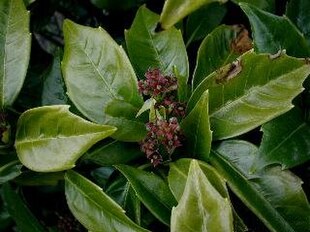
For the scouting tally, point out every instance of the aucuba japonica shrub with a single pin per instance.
(195, 118)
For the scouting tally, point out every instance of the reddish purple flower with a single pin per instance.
(156, 158)
(161, 134)
(157, 84)
(174, 108)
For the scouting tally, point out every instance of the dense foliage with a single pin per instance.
(145, 115)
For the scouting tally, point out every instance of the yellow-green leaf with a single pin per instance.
(201, 207)
(50, 138)
(175, 10)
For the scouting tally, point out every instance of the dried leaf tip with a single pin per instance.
(227, 73)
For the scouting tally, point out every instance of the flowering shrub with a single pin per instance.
(189, 125)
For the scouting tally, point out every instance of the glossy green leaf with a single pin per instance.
(201, 207)
(101, 175)
(153, 191)
(298, 12)
(150, 49)
(251, 91)
(216, 50)
(101, 81)
(112, 153)
(272, 33)
(15, 42)
(175, 10)
(53, 91)
(203, 21)
(196, 128)
(287, 144)
(10, 171)
(50, 138)
(275, 196)
(30, 178)
(93, 208)
(267, 5)
(178, 174)
(19, 211)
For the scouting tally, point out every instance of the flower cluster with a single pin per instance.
(164, 132)
(156, 84)
(173, 107)
(162, 135)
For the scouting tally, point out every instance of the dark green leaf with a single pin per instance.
(28, 2)
(15, 42)
(115, 152)
(101, 81)
(101, 175)
(272, 33)
(219, 48)
(19, 211)
(201, 207)
(53, 92)
(267, 5)
(298, 12)
(10, 171)
(203, 21)
(30, 178)
(149, 49)
(286, 141)
(5, 219)
(275, 196)
(196, 128)
(50, 138)
(153, 191)
(122, 192)
(251, 91)
(283, 189)
(93, 208)
(115, 4)
(175, 10)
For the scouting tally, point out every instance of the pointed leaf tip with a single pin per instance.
(201, 207)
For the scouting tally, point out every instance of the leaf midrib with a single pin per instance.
(110, 213)
(108, 87)
(5, 52)
(302, 125)
(128, 177)
(155, 196)
(245, 93)
(59, 137)
(158, 58)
